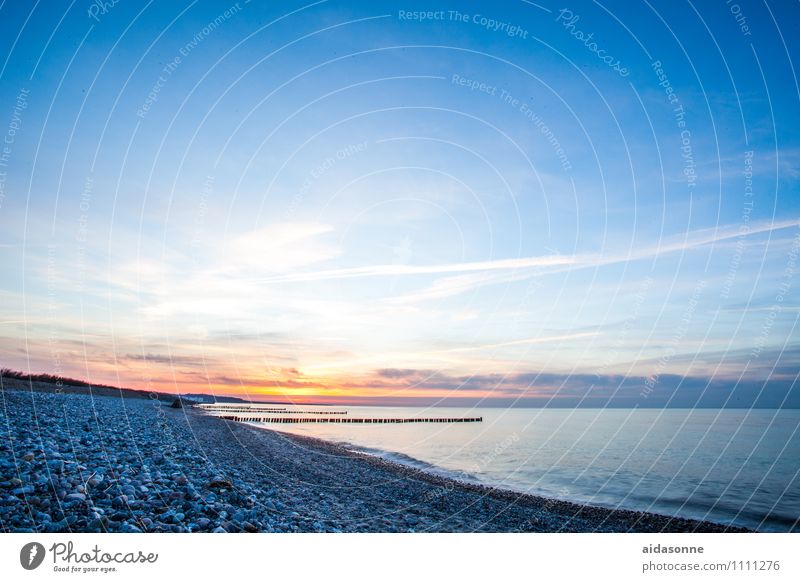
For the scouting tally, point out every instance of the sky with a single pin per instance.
(436, 203)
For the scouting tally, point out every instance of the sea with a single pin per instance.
(739, 467)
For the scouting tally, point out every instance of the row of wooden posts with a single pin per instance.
(271, 410)
(294, 420)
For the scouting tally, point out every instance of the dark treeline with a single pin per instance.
(64, 384)
(56, 383)
(49, 379)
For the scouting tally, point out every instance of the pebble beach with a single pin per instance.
(72, 462)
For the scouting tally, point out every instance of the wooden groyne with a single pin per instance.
(293, 420)
(248, 410)
(234, 408)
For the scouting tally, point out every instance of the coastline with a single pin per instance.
(600, 518)
(104, 463)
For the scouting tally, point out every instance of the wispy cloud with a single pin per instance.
(532, 265)
(166, 359)
(281, 247)
(447, 356)
(397, 270)
(561, 263)
(521, 342)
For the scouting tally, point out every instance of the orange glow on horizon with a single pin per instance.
(287, 385)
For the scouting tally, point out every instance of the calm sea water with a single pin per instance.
(728, 466)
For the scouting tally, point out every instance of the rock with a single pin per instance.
(75, 497)
(42, 517)
(176, 403)
(219, 530)
(219, 483)
(56, 466)
(20, 491)
(28, 457)
(57, 526)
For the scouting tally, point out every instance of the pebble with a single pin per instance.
(140, 466)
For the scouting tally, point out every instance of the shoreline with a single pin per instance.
(85, 463)
(518, 498)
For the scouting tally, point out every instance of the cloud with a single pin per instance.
(165, 359)
(450, 286)
(280, 248)
(395, 373)
(731, 364)
(589, 390)
(504, 384)
(399, 269)
(706, 236)
(693, 240)
(527, 341)
(479, 273)
(448, 356)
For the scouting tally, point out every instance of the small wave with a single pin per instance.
(412, 462)
(386, 455)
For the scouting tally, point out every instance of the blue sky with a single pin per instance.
(522, 203)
